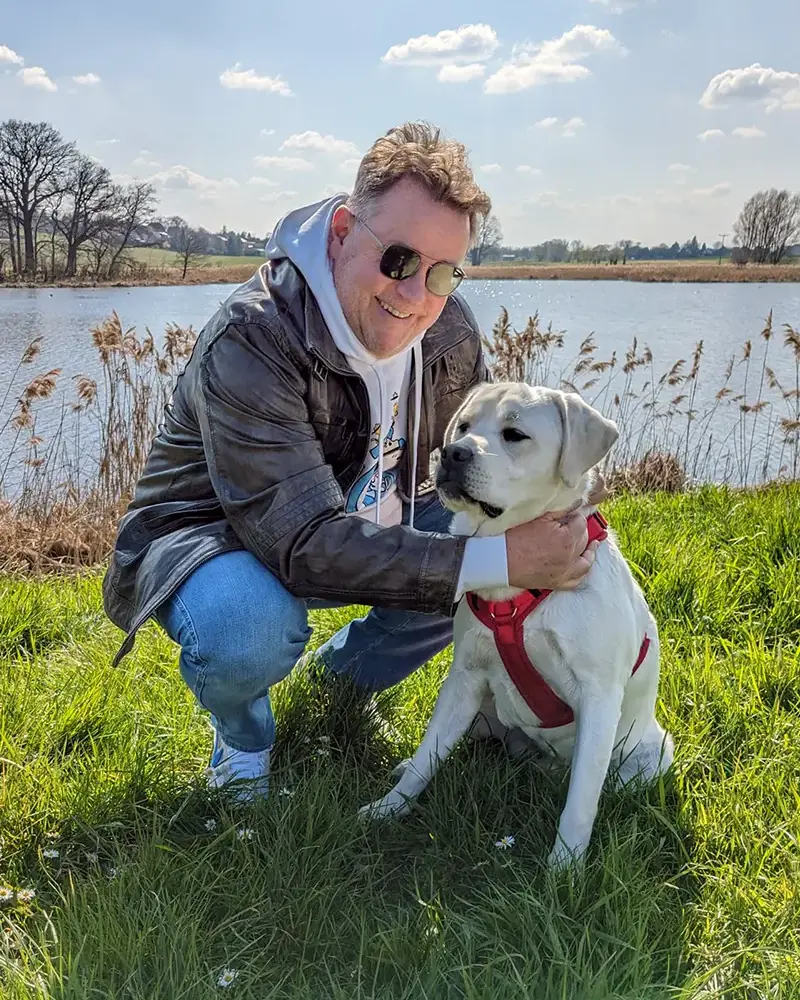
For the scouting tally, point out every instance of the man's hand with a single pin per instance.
(549, 553)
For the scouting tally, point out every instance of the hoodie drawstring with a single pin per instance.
(384, 424)
(417, 376)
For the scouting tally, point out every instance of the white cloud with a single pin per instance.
(568, 130)
(711, 133)
(180, 178)
(35, 76)
(754, 84)
(283, 162)
(247, 79)
(268, 131)
(616, 6)
(460, 74)
(262, 182)
(681, 172)
(87, 80)
(143, 163)
(106, 142)
(10, 56)
(274, 196)
(695, 196)
(716, 191)
(558, 60)
(320, 143)
(491, 168)
(748, 132)
(350, 165)
(571, 127)
(523, 168)
(470, 43)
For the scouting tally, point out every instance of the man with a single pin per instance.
(293, 466)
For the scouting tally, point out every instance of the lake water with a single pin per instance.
(669, 318)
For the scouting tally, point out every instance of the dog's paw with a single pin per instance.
(400, 769)
(566, 859)
(391, 806)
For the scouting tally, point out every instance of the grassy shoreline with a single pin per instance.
(703, 272)
(146, 887)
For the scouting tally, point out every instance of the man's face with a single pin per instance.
(404, 214)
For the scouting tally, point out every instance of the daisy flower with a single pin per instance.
(505, 842)
(50, 852)
(244, 833)
(289, 792)
(211, 825)
(226, 977)
(6, 894)
(26, 895)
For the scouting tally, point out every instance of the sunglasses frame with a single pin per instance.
(457, 272)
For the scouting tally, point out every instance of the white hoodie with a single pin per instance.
(303, 237)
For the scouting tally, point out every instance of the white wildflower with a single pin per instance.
(211, 825)
(91, 857)
(112, 872)
(287, 792)
(26, 895)
(244, 833)
(6, 894)
(505, 842)
(226, 977)
(50, 852)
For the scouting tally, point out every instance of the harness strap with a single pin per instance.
(506, 620)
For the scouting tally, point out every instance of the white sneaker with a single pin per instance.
(246, 773)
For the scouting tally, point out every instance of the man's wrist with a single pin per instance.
(485, 565)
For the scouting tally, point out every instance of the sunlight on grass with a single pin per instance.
(145, 889)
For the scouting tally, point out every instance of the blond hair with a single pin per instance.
(418, 150)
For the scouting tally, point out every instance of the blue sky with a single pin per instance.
(596, 120)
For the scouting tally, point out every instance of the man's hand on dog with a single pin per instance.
(551, 552)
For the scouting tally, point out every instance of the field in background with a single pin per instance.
(152, 266)
(146, 888)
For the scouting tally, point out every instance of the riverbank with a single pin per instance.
(644, 271)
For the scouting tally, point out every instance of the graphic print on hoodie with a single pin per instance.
(362, 492)
(303, 237)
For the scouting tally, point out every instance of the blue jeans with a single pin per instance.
(240, 631)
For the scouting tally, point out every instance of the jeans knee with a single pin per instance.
(240, 628)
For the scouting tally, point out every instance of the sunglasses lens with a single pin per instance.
(399, 262)
(443, 279)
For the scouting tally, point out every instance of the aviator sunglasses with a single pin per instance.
(400, 262)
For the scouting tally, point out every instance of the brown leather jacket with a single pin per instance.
(266, 431)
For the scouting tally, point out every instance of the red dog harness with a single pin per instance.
(506, 620)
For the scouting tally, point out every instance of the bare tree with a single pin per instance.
(189, 245)
(489, 235)
(34, 159)
(767, 224)
(134, 206)
(90, 201)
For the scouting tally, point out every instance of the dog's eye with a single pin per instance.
(463, 428)
(512, 434)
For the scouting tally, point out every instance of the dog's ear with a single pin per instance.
(587, 438)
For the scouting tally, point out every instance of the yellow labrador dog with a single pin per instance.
(512, 453)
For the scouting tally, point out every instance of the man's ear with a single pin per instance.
(341, 227)
(587, 436)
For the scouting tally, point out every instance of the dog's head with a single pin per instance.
(513, 451)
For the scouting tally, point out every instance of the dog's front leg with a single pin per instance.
(596, 723)
(458, 702)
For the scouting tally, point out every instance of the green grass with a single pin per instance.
(155, 257)
(691, 887)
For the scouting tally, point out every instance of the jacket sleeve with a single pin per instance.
(282, 499)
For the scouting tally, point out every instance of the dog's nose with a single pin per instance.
(456, 454)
